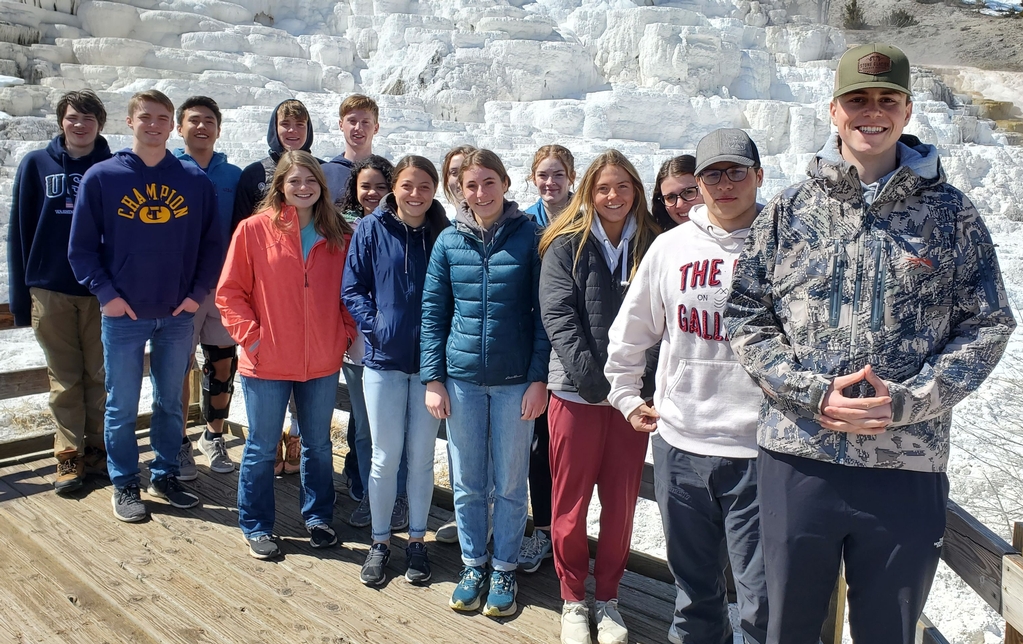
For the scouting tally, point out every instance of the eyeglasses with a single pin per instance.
(689, 194)
(735, 174)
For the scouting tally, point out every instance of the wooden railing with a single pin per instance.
(990, 566)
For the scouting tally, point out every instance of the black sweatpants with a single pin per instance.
(887, 525)
(540, 472)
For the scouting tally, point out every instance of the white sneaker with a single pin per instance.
(610, 625)
(575, 623)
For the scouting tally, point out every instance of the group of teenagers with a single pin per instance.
(792, 367)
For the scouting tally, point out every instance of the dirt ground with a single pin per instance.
(947, 33)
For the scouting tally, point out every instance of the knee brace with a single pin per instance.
(210, 385)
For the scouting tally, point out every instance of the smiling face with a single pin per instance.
(551, 179)
(199, 129)
(359, 127)
(452, 177)
(291, 132)
(413, 192)
(151, 124)
(870, 122)
(731, 205)
(370, 188)
(613, 196)
(679, 185)
(80, 131)
(301, 189)
(484, 191)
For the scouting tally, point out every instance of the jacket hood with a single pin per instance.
(727, 240)
(131, 160)
(56, 150)
(465, 220)
(343, 161)
(436, 218)
(276, 148)
(918, 166)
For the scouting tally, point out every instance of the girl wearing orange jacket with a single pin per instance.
(279, 297)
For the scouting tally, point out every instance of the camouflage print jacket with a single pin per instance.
(908, 283)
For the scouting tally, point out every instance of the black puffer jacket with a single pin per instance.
(577, 308)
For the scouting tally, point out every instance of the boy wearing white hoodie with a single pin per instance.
(705, 407)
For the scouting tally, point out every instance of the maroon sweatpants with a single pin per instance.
(592, 445)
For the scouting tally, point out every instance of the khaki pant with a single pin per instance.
(67, 327)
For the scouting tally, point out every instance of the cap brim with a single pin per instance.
(734, 158)
(868, 85)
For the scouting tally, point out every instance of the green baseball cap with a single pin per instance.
(873, 65)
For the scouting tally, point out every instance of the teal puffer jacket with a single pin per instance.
(481, 309)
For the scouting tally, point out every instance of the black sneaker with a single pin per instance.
(418, 563)
(373, 570)
(263, 547)
(128, 505)
(322, 536)
(173, 492)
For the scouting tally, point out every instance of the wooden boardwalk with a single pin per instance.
(73, 573)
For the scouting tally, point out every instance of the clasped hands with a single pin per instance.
(867, 416)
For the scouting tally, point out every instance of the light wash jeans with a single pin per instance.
(486, 428)
(265, 404)
(124, 346)
(360, 441)
(400, 424)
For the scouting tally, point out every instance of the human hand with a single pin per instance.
(644, 418)
(437, 401)
(188, 305)
(867, 416)
(116, 308)
(534, 401)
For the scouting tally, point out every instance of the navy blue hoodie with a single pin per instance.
(383, 283)
(45, 190)
(256, 176)
(149, 235)
(337, 172)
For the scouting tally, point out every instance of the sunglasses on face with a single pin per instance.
(735, 174)
(689, 194)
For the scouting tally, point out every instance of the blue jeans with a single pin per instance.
(401, 425)
(486, 428)
(265, 404)
(360, 443)
(124, 346)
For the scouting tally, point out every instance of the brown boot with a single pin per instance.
(70, 471)
(279, 459)
(95, 461)
(292, 454)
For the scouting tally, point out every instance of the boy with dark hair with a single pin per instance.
(867, 303)
(45, 293)
(145, 241)
(199, 123)
(705, 448)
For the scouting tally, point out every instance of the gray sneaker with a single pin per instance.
(447, 533)
(216, 452)
(128, 505)
(360, 516)
(534, 549)
(399, 515)
(169, 489)
(186, 463)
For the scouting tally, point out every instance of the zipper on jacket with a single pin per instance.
(483, 327)
(880, 275)
(857, 288)
(985, 257)
(837, 279)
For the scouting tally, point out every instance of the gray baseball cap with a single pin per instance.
(726, 144)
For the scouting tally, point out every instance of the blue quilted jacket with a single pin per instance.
(481, 310)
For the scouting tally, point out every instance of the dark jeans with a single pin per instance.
(711, 516)
(887, 525)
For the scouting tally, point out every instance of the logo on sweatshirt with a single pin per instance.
(61, 185)
(158, 205)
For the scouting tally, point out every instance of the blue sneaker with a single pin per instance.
(503, 589)
(471, 584)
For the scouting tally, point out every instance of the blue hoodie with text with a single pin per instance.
(45, 190)
(147, 234)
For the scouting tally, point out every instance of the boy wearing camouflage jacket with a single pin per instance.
(866, 304)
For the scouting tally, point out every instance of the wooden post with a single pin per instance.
(1012, 636)
(831, 633)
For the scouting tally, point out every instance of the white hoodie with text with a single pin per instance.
(707, 402)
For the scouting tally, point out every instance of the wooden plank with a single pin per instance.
(25, 382)
(831, 632)
(41, 445)
(1012, 592)
(975, 553)
(6, 317)
(927, 633)
(1012, 635)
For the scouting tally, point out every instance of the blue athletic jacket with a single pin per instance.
(481, 309)
(383, 284)
(225, 178)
